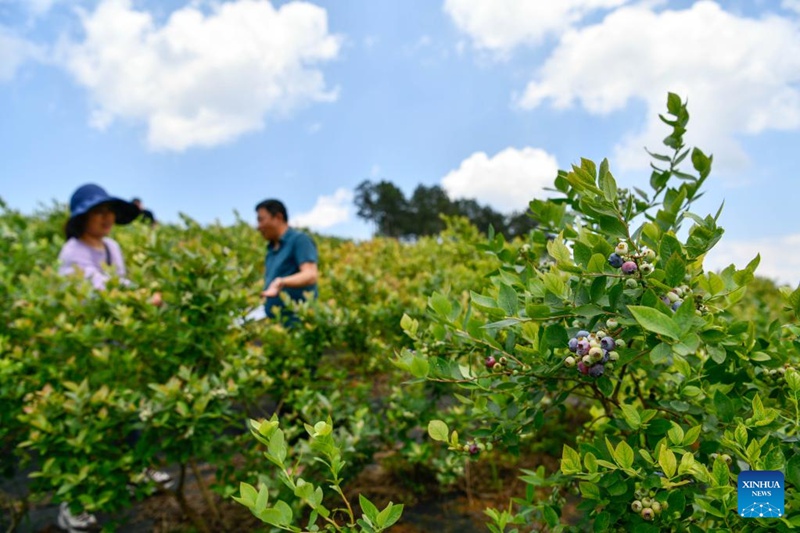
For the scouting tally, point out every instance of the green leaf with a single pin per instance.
(675, 434)
(624, 454)
(655, 321)
(369, 509)
(691, 435)
(660, 354)
(793, 472)
(440, 304)
(559, 251)
(667, 461)
(248, 495)
(589, 490)
(390, 515)
(631, 415)
(438, 430)
(570, 461)
(277, 446)
(508, 300)
(675, 270)
(724, 407)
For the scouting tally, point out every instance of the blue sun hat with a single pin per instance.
(90, 195)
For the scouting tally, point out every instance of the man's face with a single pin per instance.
(268, 224)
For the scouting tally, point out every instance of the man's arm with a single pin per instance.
(306, 276)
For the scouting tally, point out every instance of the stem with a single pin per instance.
(204, 491)
(187, 509)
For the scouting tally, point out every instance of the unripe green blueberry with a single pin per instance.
(655, 506)
(678, 291)
(600, 334)
(622, 248)
(726, 458)
(481, 446)
(646, 502)
(646, 269)
(609, 366)
(569, 361)
(612, 323)
(648, 255)
(489, 446)
(648, 514)
(465, 447)
(636, 506)
(613, 356)
(713, 456)
(665, 506)
(503, 360)
(587, 359)
(497, 367)
(631, 283)
(673, 297)
(620, 343)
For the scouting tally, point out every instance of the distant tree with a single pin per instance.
(383, 204)
(427, 204)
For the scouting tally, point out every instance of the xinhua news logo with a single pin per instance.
(760, 494)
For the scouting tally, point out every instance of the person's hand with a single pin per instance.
(273, 289)
(156, 299)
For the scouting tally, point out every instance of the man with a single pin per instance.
(291, 260)
(145, 214)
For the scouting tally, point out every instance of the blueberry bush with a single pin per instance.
(606, 309)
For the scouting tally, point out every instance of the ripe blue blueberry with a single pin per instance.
(596, 371)
(583, 347)
(615, 260)
(629, 267)
(676, 305)
(573, 345)
(607, 343)
(582, 333)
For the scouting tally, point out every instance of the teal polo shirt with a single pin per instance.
(295, 249)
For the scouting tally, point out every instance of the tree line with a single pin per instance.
(394, 215)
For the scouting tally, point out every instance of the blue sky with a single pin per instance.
(207, 108)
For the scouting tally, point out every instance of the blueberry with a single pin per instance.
(490, 362)
(629, 267)
(605, 357)
(612, 323)
(473, 449)
(648, 514)
(636, 506)
(607, 343)
(569, 361)
(582, 368)
(676, 305)
(631, 283)
(622, 248)
(573, 345)
(583, 347)
(582, 333)
(596, 371)
(615, 260)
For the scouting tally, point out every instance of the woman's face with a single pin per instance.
(99, 221)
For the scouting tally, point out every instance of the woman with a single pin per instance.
(90, 250)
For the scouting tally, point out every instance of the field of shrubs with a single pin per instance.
(593, 375)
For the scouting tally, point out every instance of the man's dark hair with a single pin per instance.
(273, 207)
(75, 227)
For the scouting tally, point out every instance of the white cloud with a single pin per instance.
(14, 52)
(500, 25)
(202, 79)
(507, 182)
(740, 75)
(791, 5)
(327, 212)
(779, 258)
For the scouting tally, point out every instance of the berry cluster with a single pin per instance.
(595, 351)
(674, 298)
(630, 262)
(647, 506)
(776, 374)
(495, 364)
(475, 447)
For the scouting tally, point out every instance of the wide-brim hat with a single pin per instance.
(91, 195)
